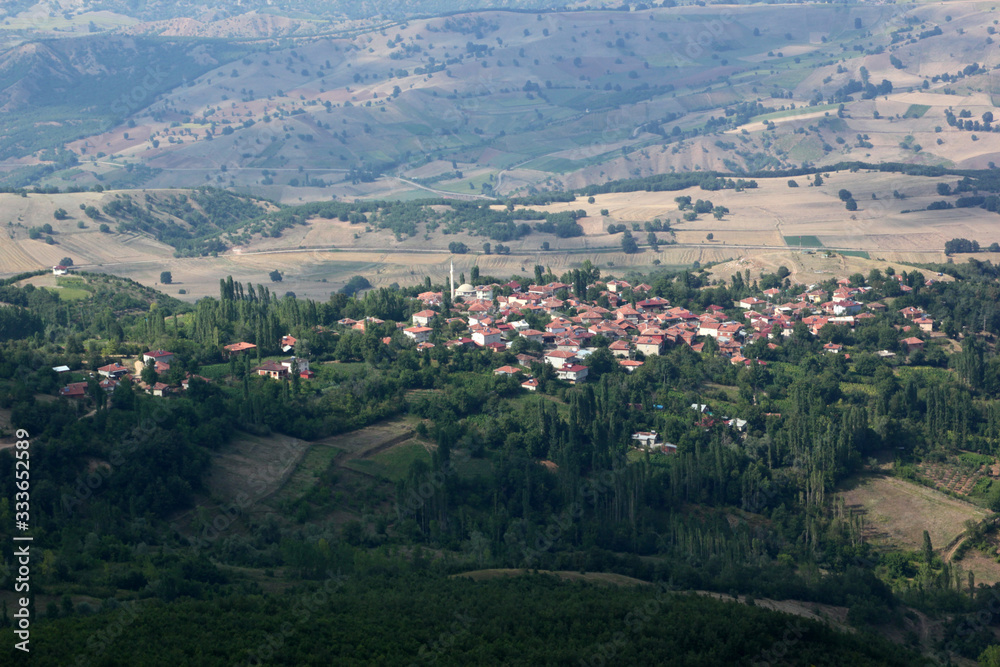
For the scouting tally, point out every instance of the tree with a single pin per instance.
(652, 241)
(943, 189)
(818, 180)
(166, 278)
(104, 228)
(358, 283)
(851, 205)
(710, 236)
(60, 214)
(66, 261)
(629, 246)
(487, 248)
(149, 374)
(275, 276)
(990, 657)
(845, 195)
(928, 549)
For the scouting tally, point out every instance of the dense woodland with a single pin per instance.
(749, 512)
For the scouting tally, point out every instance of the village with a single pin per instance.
(626, 319)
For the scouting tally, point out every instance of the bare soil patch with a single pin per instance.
(897, 512)
(254, 465)
(603, 578)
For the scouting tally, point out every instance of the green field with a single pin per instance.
(556, 165)
(863, 254)
(71, 289)
(798, 111)
(803, 242)
(315, 462)
(916, 110)
(393, 464)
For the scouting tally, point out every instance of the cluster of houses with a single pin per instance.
(494, 316)
(115, 373)
(111, 375)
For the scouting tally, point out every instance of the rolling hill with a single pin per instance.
(504, 102)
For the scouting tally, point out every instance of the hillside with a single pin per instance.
(507, 102)
(201, 235)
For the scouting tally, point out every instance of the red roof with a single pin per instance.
(74, 390)
(272, 366)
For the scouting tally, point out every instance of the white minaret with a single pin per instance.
(453, 281)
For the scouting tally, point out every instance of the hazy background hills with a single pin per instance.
(488, 102)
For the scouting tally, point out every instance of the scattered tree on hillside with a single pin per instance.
(354, 285)
(275, 276)
(629, 246)
(166, 278)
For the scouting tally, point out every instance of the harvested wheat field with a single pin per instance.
(896, 512)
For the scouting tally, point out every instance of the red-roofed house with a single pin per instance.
(418, 334)
(649, 345)
(558, 358)
(619, 348)
(74, 390)
(272, 369)
(115, 370)
(239, 348)
(912, 344)
(572, 373)
(486, 336)
(423, 318)
(158, 355)
(533, 335)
